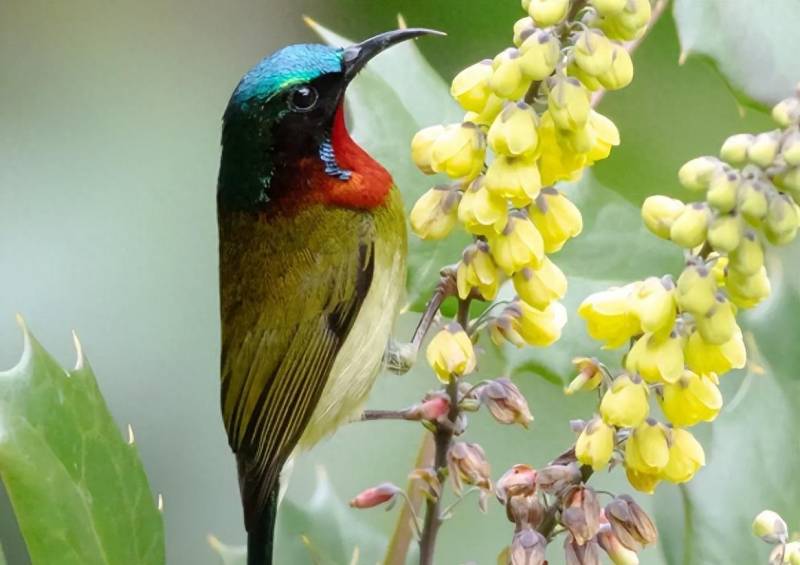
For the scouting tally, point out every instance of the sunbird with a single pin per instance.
(312, 246)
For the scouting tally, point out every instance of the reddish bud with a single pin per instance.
(434, 407)
(519, 480)
(375, 496)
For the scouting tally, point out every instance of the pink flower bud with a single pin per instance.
(375, 496)
(519, 480)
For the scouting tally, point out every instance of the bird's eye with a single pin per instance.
(303, 99)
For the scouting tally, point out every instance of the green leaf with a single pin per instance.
(754, 45)
(394, 97)
(78, 489)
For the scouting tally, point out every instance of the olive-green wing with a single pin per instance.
(291, 289)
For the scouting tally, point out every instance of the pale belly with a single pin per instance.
(359, 360)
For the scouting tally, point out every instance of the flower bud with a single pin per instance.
(433, 408)
(770, 527)
(375, 496)
(538, 327)
(658, 357)
(523, 28)
(620, 73)
(764, 148)
(591, 82)
(555, 479)
(577, 554)
(605, 135)
(608, 7)
(525, 511)
(748, 257)
(422, 145)
(647, 449)
(471, 86)
(519, 480)
(660, 212)
(556, 218)
(450, 353)
(618, 553)
(540, 287)
(689, 229)
(505, 401)
(595, 444)
(507, 80)
(459, 151)
(686, 456)
(513, 132)
(790, 149)
(482, 212)
(548, 12)
(485, 117)
(752, 201)
(539, 54)
(610, 316)
(723, 190)
(705, 358)
(745, 291)
(555, 164)
(581, 514)
(696, 174)
(787, 112)
(696, 289)
(654, 304)
(590, 375)
(782, 220)
(568, 103)
(468, 465)
(477, 271)
(519, 245)
(435, 213)
(528, 546)
(718, 326)
(593, 51)
(693, 399)
(790, 182)
(625, 403)
(725, 233)
(734, 149)
(643, 482)
(629, 23)
(506, 328)
(514, 178)
(630, 523)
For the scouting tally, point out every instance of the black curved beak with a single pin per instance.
(356, 56)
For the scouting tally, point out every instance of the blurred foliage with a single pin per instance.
(79, 490)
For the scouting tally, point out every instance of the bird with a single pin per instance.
(312, 265)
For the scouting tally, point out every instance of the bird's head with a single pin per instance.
(285, 106)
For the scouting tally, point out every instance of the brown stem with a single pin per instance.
(369, 415)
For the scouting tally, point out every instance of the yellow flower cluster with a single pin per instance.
(528, 124)
(683, 335)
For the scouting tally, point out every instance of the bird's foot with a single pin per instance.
(399, 357)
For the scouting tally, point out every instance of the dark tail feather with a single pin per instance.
(260, 537)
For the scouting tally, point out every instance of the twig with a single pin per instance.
(445, 289)
(369, 415)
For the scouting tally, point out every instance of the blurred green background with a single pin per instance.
(109, 142)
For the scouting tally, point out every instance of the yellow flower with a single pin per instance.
(783, 218)
(686, 456)
(471, 86)
(647, 449)
(790, 149)
(605, 135)
(459, 151)
(514, 178)
(787, 111)
(556, 218)
(507, 80)
(519, 245)
(523, 28)
(593, 51)
(589, 81)
(689, 229)
(450, 353)
(568, 103)
(752, 201)
(548, 12)
(513, 132)
(745, 291)
(643, 482)
(555, 164)
(422, 146)
(660, 212)
(696, 289)
(486, 117)
(595, 445)
(435, 213)
(608, 7)
(734, 148)
(620, 74)
(482, 212)
(770, 527)
(657, 357)
(705, 358)
(725, 233)
(764, 148)
(539, 287)
(610, 317)
(692, 399)
(723, 190)
(625, 402)
(748, 258)
(477, 270)
(630, 22)
(696, 174)
(719, 325)
(654, 304)
(589, 375)
(539, 54)
(521, 323)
